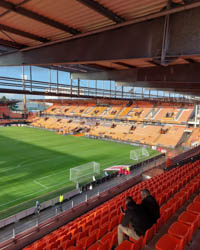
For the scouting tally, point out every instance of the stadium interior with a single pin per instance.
(123, 73)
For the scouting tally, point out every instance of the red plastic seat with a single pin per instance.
(195, 209)
(167, 242)
(94, 246)
(113, 223)
(68, 243)
(138, 243)
(181, 196)
(125, 245)
(111, 237)
(191, 220)
(41, 247)
(104, 246)
(159, 223)
(94, 226)
(87, 241)
(74, 248)
(197, 199)
(149, 235)
(104, 219)
(103, 230)
(64, 237)
(52, 245)
(181, 231)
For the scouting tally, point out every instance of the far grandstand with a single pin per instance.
(152, 123)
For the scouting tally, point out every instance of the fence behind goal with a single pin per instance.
(84, 172)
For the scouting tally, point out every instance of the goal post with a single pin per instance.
(139, 153)
(85, 172)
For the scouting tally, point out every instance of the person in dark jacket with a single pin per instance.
(150, 205)
(135, 221)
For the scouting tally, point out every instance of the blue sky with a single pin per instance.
(42, 74)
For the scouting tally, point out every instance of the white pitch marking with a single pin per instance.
(56, 184)
(51, 175)
(21, 198)
(18, 166)
(37, 182)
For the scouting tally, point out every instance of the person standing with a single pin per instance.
(61, 198)
(150, 205)
(37, 207)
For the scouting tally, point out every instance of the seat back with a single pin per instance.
(148, 235)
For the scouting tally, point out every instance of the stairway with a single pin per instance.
(179, 114)
(155, 113)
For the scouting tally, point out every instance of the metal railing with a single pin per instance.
(48, 88)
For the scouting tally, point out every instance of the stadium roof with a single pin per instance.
(130, 41)
(27, 23)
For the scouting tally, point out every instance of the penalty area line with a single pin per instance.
(38, 183)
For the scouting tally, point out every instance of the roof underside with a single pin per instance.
(29, 23)
(138, 43)
(52, 18)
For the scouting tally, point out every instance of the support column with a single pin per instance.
(78, 87)
(196, 112)
(31, 77)
(49, 80)
(57, 80)
(96, 87)
(24, 88)
(70, 84)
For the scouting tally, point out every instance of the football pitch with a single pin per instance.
(35, 163)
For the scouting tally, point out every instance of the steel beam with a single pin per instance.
(41, 93)
(11, 44)
(183, 73)
(162, 85)
(141, 40)
(23, 33)
(94, 5)
(42, 19)
(99, 67)
(127, 65)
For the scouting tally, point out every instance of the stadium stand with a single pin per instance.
(97, 229)
(137, 111)
(5, 112)
(166, 136)
(7, 116)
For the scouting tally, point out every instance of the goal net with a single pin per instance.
(84, 172)
(139, 154)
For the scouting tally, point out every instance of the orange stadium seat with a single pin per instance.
(139, 111)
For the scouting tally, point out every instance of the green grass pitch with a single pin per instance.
(35, 163)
